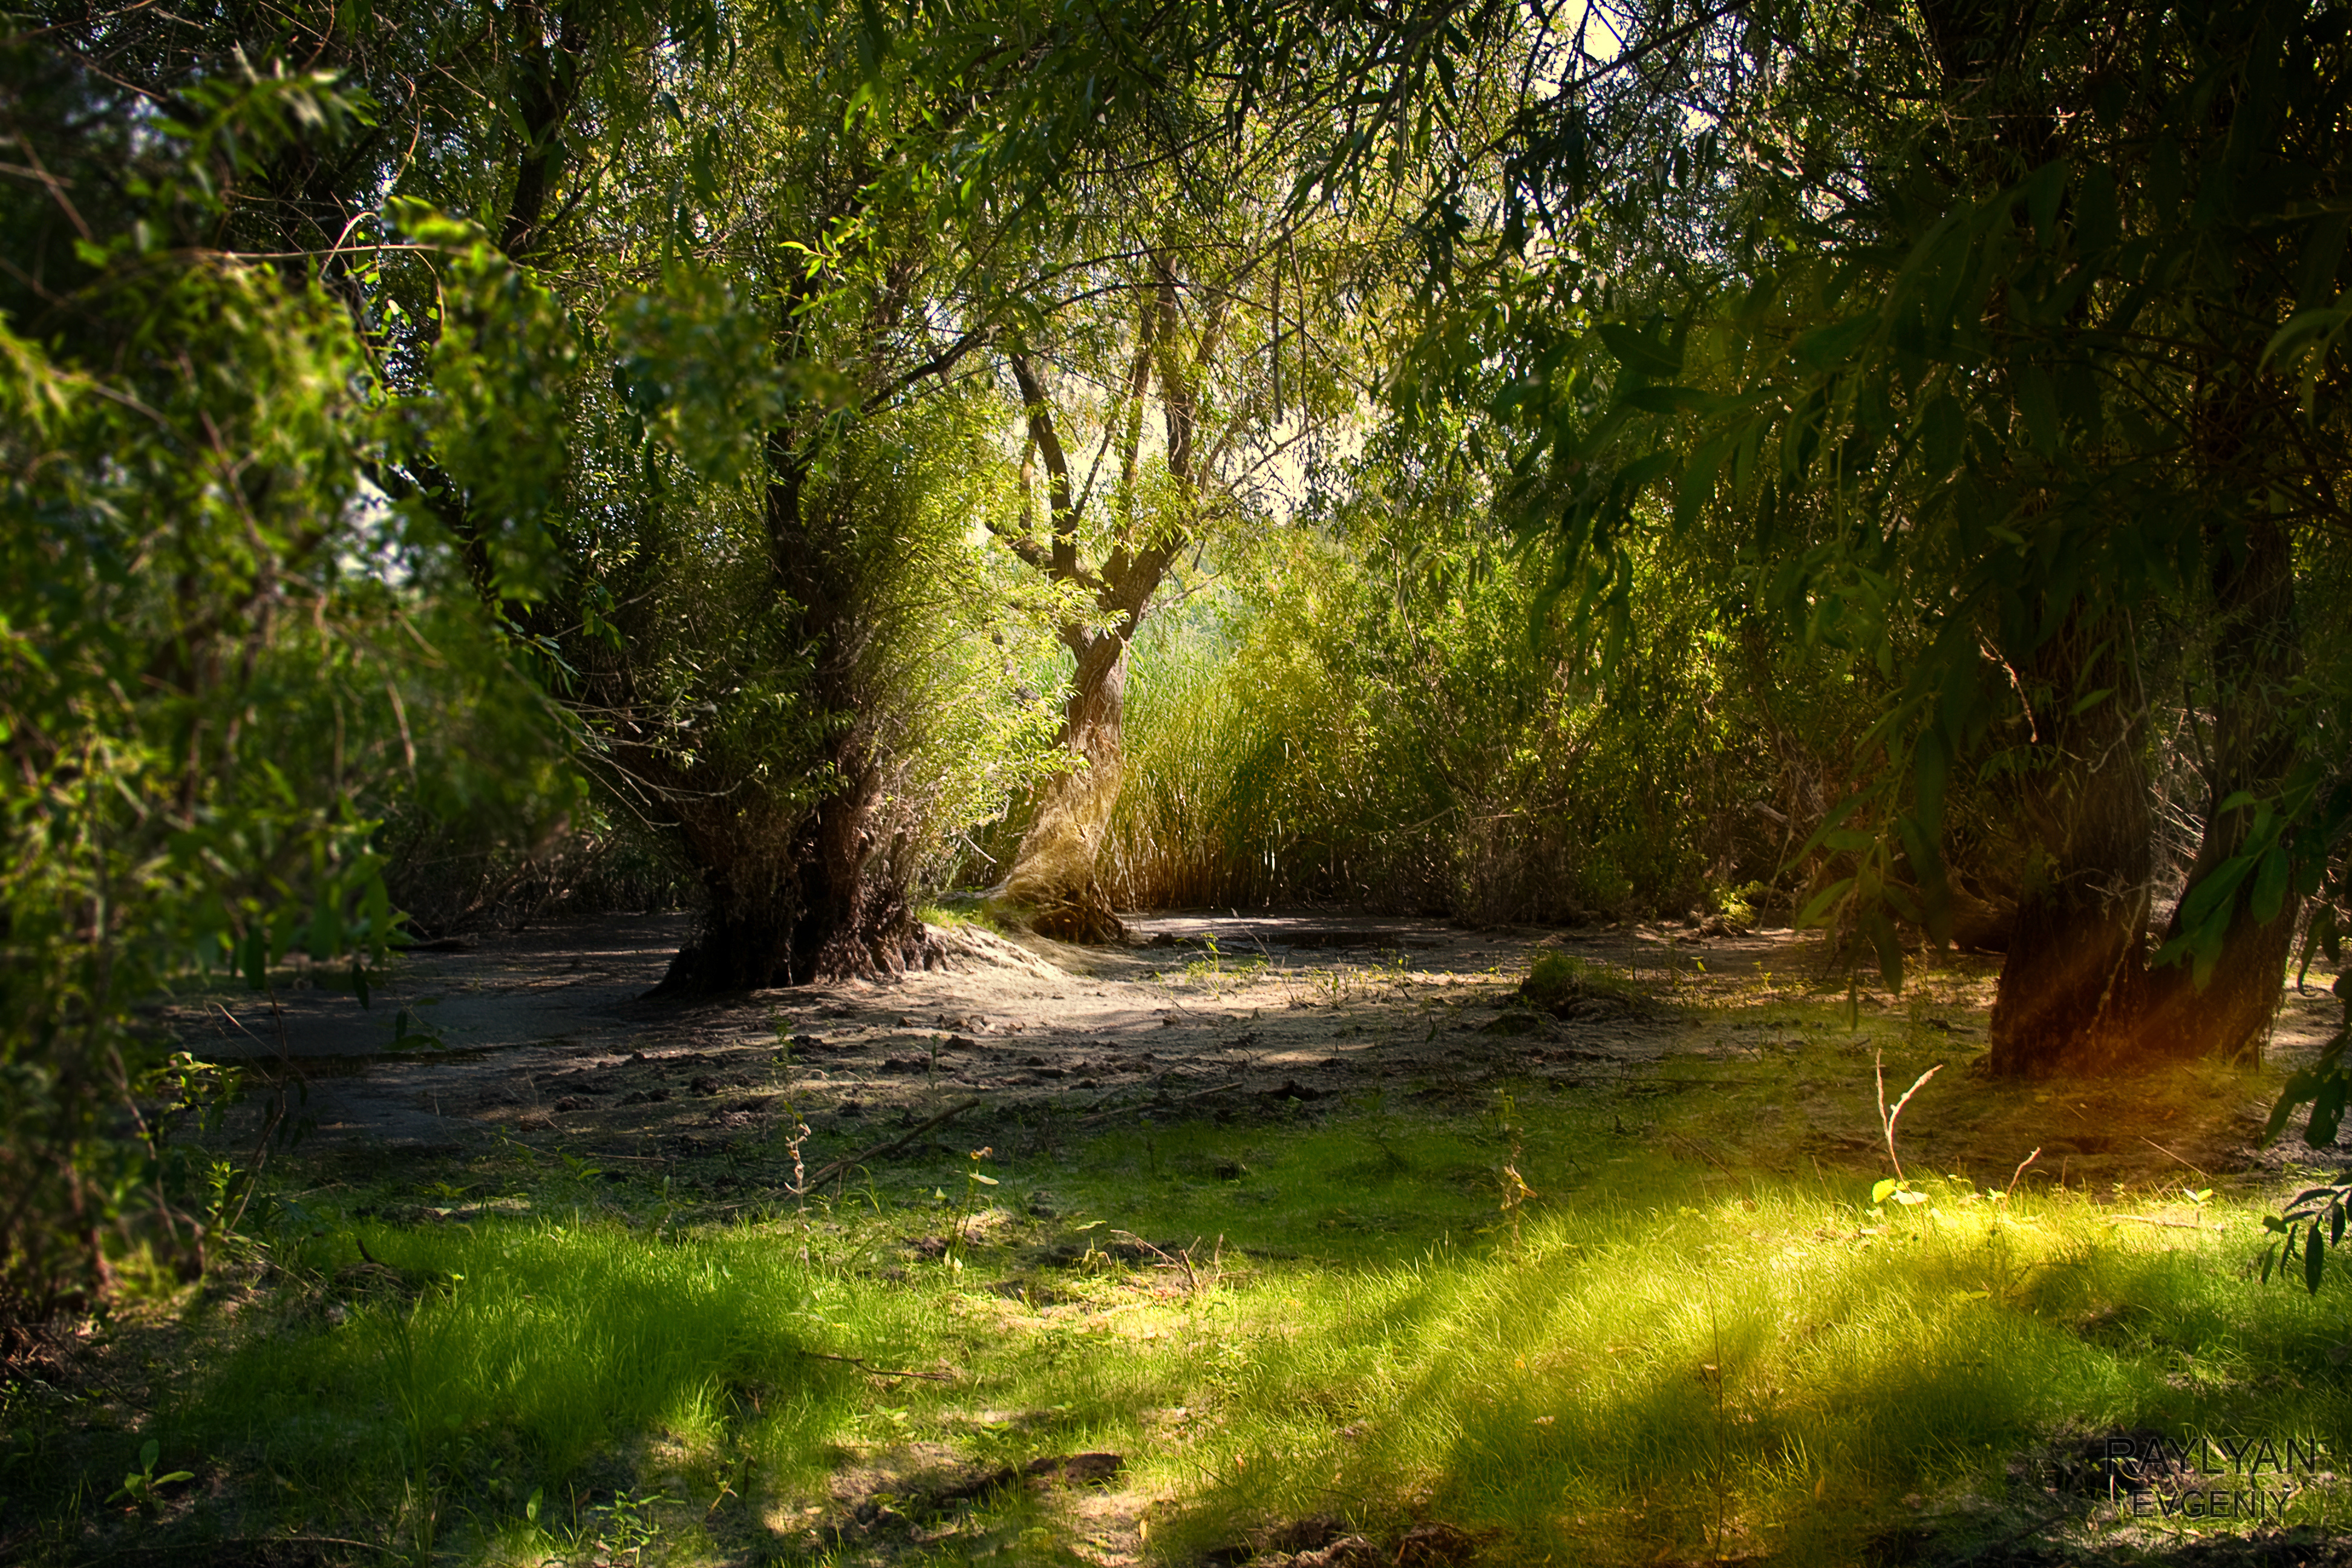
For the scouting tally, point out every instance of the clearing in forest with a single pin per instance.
(1286, 1238)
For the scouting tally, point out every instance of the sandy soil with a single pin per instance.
(1209, 1014)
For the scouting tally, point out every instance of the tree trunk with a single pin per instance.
(800, 890)
(797, 899)
(2071, 977)
(2255, 655)
(1052, 881)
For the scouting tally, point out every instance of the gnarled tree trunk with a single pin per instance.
(799, 890)
(2070, 980)
(2255, 654)
(796, 896)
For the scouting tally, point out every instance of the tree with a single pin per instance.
(1231, 322)
(205, 631)
(889, 267)
(697, 332)
(1983, 343)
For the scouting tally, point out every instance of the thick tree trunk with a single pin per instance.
(797, 900)
(798, 890)
(2070, 980)
(2255, 655)
(1052, 884)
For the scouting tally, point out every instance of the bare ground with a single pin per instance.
(1217, 1014)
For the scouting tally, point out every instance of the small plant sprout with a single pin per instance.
(794, 1142)
(629, 1526)
(1896, 1186)
(974, 1178)
(138, 1485)
(1515, 1189)
(1516, 1192)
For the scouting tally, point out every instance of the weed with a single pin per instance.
(1895, 1186)
(1559, 980)
(140, 1486)
(1515, 1188)
(974, 1179)
(627, 1525)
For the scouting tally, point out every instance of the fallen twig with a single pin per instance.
(891, 1147)
(1701, 1151)
(2171, 1224)
(1162, 1102)
(861, 1364)
(2177, 1158)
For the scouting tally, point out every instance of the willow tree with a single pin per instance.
(207, 627)
(743, 257)
(1978, 341)
(883, 252)
(1182, 378)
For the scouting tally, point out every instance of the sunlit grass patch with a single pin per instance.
(1675, 1335)
(1775, 1374)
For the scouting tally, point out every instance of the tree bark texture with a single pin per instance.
(2070, 980)
(2255, 654)
(796, 896)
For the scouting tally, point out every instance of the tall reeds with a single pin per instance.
(1313, 734)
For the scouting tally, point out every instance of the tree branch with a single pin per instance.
(1063, 521)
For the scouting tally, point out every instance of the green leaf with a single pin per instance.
(2299, 1086)
(2327, 1111)
(1835, 344)
(1942, 427)
(2314, 1262)
(2085, 704)
(2037, 400)
(1820, 902)
(1889, 944)
(2322, 256)
(1637, 353)
(1664, 399)
(1696, 483)
(2269, 885)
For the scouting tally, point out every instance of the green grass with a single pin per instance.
(1655, 1356)
(1559, 979)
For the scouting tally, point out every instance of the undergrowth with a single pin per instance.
(1639, 1354)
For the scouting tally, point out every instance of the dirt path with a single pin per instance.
(1211, 1014)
